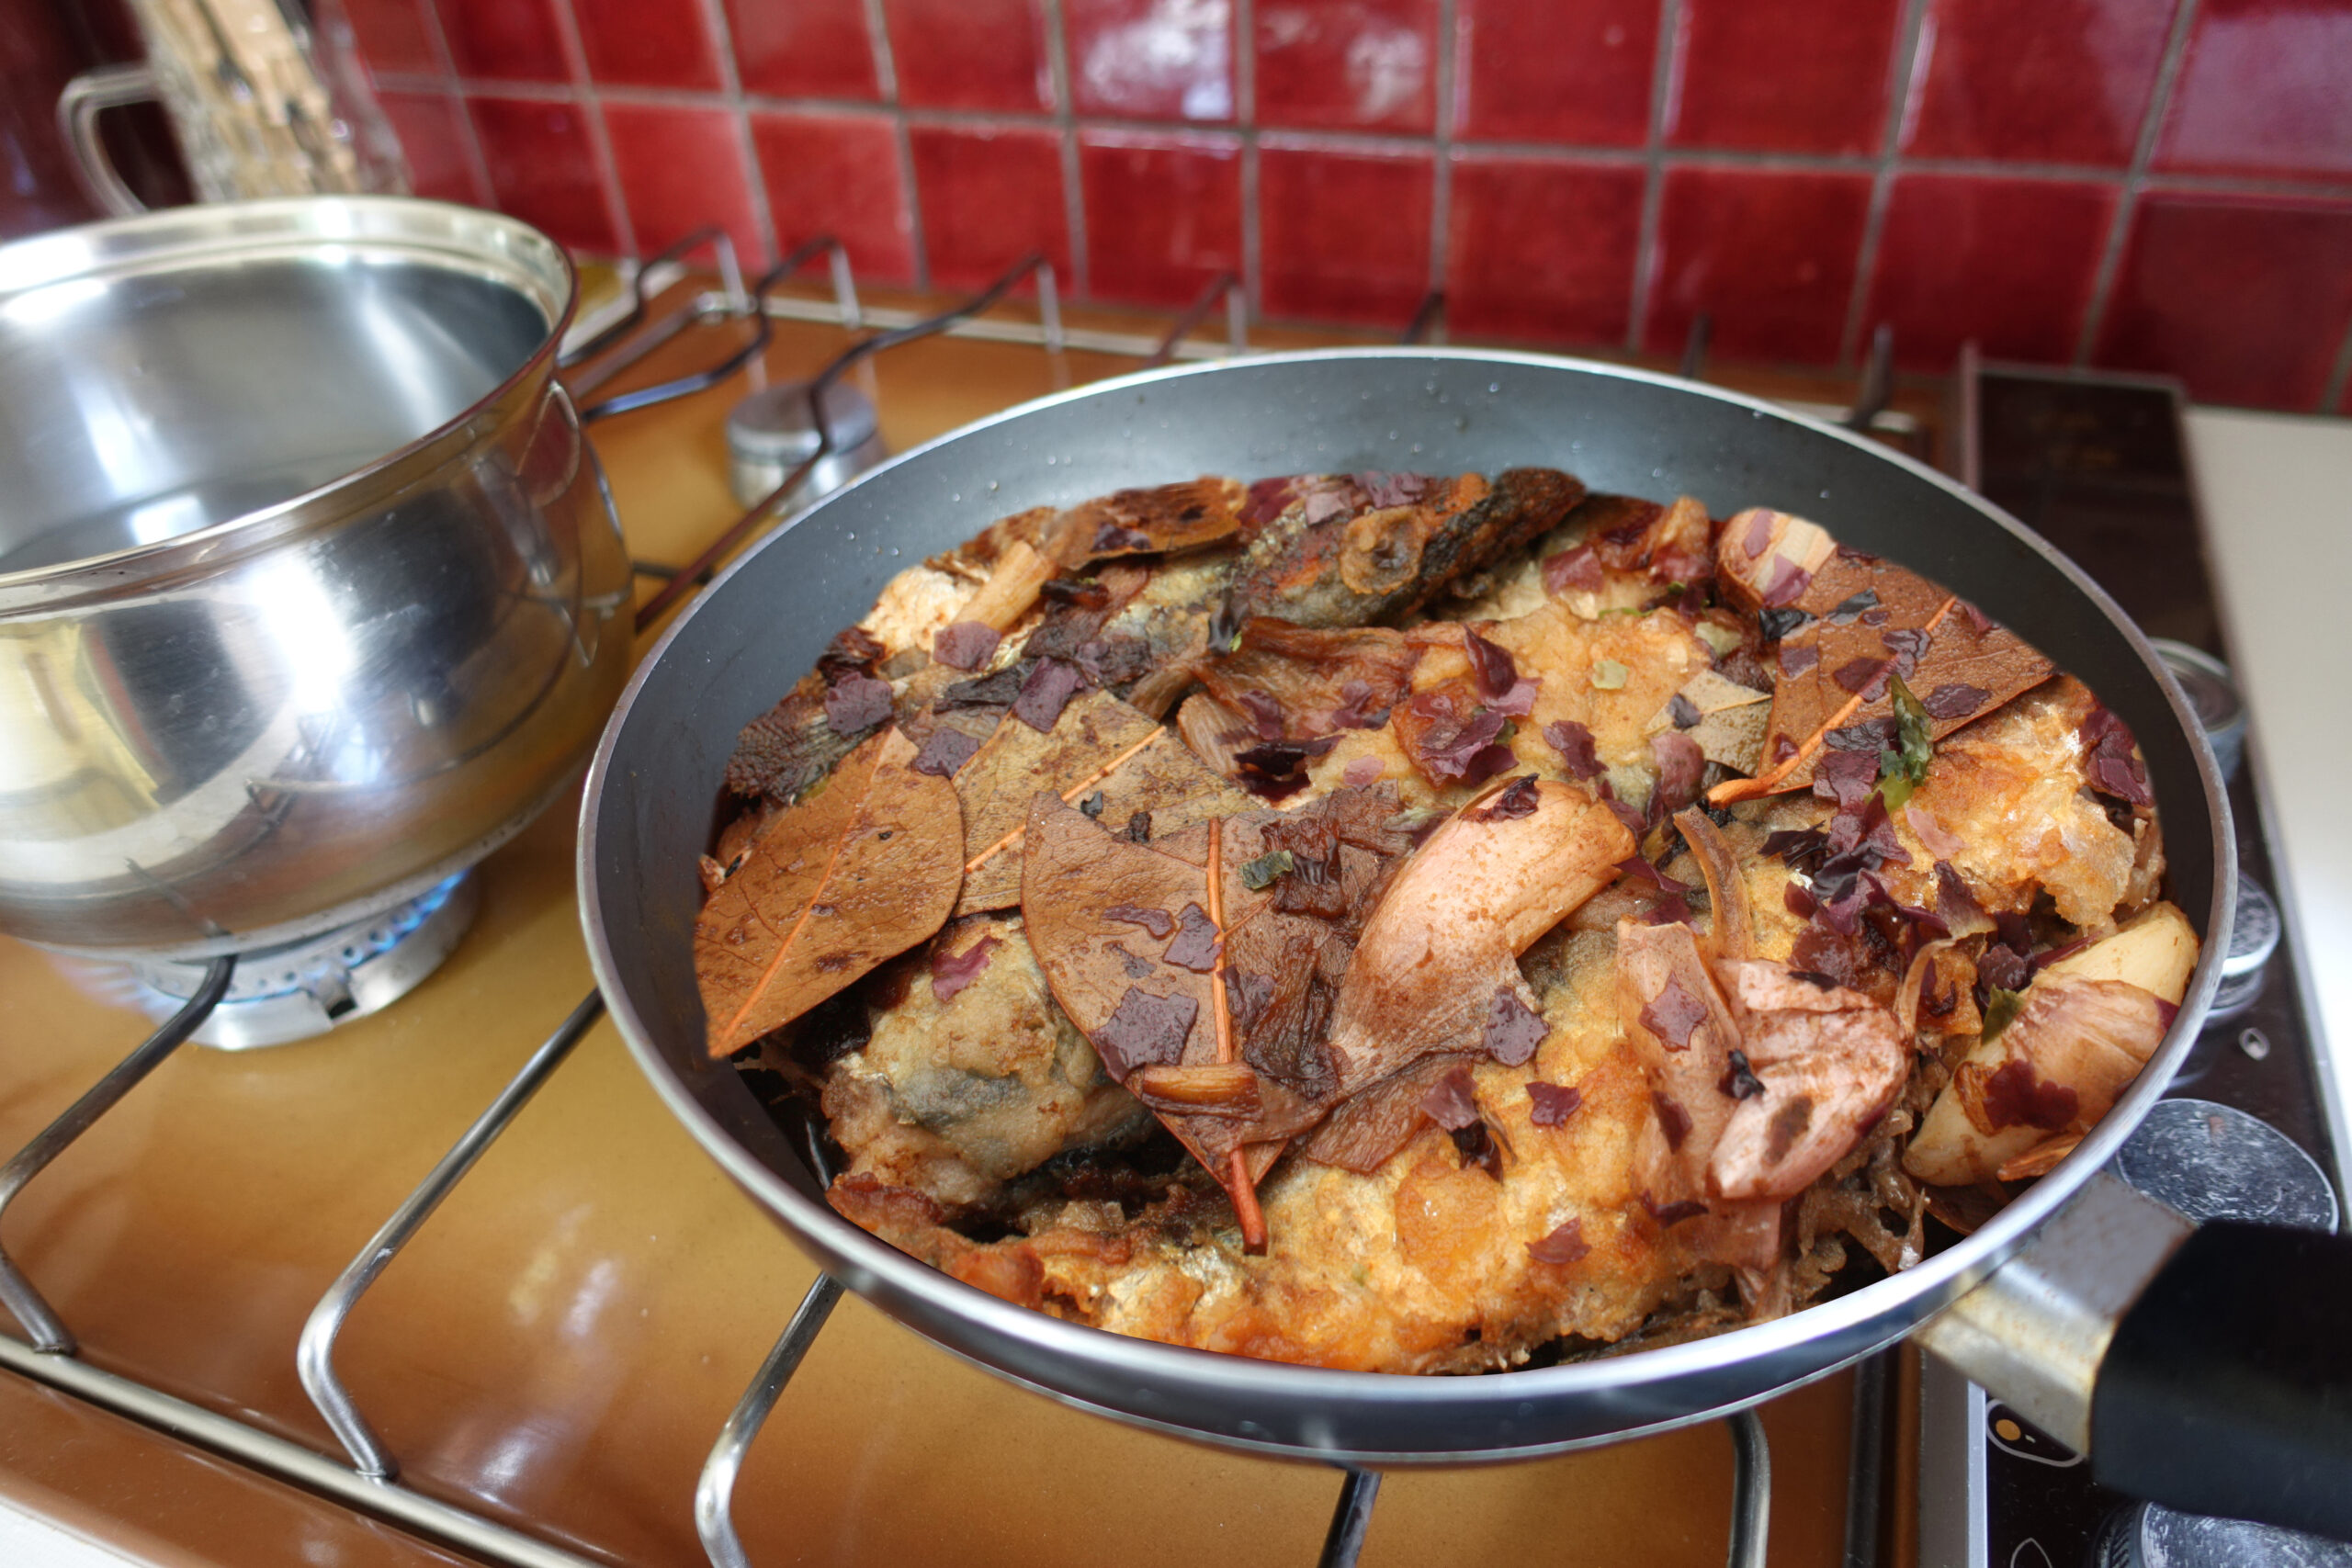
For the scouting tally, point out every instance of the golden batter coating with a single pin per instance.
(1649, 1083)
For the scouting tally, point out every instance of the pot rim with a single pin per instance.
(490, 245)
(1821, 1338)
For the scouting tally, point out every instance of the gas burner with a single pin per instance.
(299, 991)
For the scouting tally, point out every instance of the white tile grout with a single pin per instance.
(600, 141)
(1444, 102)
(1665, 71)
(446, 82)
(1899, 91)
(2127, 200)
(885, 78)
(1078, 283)
(1244, 56)
(730, 86)
(1442, 146)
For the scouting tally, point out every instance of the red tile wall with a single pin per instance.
(2148, 184)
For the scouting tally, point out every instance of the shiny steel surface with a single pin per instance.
(760, 626)
(2036, 1332)
(306, 574)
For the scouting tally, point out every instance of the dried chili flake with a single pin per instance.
(1859, 674)
(1265, 714)
(946, 751)
(1680, 764)
(1954, 699)
(1195, 946)
(1672, 1120)
(1573, 742)
(1552, 1103)
(1672, 1214)
(1578, 568)
(965, 645)
(1777, 622)
(951, 975)
(1145, 1029)
(1563, 1244)
(1674, 1015)
(1789, 582)
(1450, 1103)
(1681, 711)
(1159, 922)
(2016, 1097)
(1491, 668)
(856, 702)
(1045, 693)
(1110, 535)
(1513, 1030)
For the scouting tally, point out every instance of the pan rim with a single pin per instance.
(1863, 1320)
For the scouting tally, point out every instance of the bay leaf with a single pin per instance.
(1099, 743)
(857, 873)
(1873, 619)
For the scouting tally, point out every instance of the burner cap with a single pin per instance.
(302, 989)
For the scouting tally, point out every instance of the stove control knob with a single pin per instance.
(2254, 937)
(2211, 1161)
(2146, 1536)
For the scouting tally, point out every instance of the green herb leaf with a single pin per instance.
(1607, 675)
(1259, 875)
(1903, 767)
(2000, 1007)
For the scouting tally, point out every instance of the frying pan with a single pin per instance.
(2037, 1330)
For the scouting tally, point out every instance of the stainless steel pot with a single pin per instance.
(308, 581)
(2029, 1303)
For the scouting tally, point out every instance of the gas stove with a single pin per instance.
(547, 1347)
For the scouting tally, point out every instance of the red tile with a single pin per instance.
(432, 135)
(2244, 299)
(1579, 74)
(1543, 249)
(1347, 64)
(682, 169)
(1150, 59)
(543, 169)
(1781, 76)
(513, 40)
(1163, 214)
(2062, 81)
(2010, 263)
(838, 175)
(392, 35)
(648, 43)
(970, 54)
(1343, 236)
(988, 196)
(1769, 253)
(2265, 89)
(811, 48)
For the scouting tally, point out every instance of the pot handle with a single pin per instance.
(2227, 1387)
(2207, 1368)
(78, 106)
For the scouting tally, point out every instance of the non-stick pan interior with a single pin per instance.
(760, 627)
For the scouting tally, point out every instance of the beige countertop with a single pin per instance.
(2277, 493)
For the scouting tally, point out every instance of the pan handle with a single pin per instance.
(2207, 1368)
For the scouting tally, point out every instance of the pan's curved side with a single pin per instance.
(760, 626)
